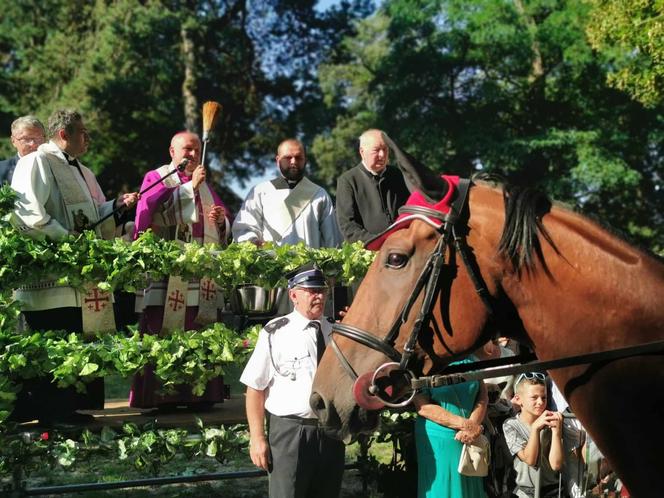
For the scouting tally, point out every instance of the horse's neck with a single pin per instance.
(591, 282)
(598, 255)
(591, 239)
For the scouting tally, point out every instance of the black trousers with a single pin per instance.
(40, 397)
(305, 462)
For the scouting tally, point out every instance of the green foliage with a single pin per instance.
(631, 34)
(347, 89)
(116, 264)
(125, 64)
(20, 453)
(503, 86)
(146, 448)
(398, 476)
(191, 357)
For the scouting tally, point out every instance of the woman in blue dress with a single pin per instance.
(448, 416)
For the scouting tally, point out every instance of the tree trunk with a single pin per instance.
(191, 112)
(537, 71)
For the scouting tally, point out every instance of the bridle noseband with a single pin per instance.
(427, 281)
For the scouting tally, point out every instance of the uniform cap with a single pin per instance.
(307, 276)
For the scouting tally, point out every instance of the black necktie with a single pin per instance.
(320, 341)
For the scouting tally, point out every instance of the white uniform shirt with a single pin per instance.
(288, 386)
(316, 225)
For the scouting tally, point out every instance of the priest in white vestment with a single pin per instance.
(290, 208)
(58, 196)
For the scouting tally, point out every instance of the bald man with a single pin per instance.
(290, 208)
(181, 207)
(370, 195)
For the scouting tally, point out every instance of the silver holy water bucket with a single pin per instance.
(254, 300)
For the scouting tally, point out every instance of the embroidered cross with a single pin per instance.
(208, 289)
(176, 300)
(98, 301)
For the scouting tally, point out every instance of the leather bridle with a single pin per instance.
(446, 225)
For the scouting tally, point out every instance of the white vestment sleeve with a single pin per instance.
(103, 206)
(227, 229)
(329, 227)
(32, 182)
(248, 224)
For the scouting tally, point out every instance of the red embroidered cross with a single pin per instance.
(208, 288)
(176, 300)
(100, 299)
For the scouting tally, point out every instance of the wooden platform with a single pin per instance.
(118, 412)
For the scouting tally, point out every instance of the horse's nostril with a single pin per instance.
(317, 404)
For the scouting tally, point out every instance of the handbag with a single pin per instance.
(475, 457)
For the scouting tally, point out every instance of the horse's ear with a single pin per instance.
(417, 175)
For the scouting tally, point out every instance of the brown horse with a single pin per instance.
(556, 280)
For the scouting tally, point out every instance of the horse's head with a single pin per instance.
(416, 269)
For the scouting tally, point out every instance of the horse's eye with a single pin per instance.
(396, 260)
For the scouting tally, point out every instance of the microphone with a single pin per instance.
(183, 164)
(180, 167)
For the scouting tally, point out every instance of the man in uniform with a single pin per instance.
(301, 459)
(58, 196)
(288, 209)
(181, 207)
(370, 194)
(27, 134)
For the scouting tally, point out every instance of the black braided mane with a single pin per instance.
(524, 209)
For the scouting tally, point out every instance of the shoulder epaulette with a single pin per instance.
(272, 327)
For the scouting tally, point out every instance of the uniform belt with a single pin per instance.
(299, 420)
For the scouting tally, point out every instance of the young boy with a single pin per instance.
(534, 438)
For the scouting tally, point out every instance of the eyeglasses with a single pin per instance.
(530, 376)
(314, 290)
(30, 140)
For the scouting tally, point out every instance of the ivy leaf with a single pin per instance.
(88, 369)
(211, 448)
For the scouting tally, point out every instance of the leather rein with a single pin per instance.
(428, 282)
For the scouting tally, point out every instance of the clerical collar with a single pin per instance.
(281, 183)
(70, 159)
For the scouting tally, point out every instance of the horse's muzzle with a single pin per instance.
(357, 421)
(326, 413)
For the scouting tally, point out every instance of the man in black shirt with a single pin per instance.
(369, 195)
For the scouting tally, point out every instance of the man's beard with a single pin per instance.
(291, 174)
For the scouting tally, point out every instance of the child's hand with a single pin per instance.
(545, 420)
(556, 422)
